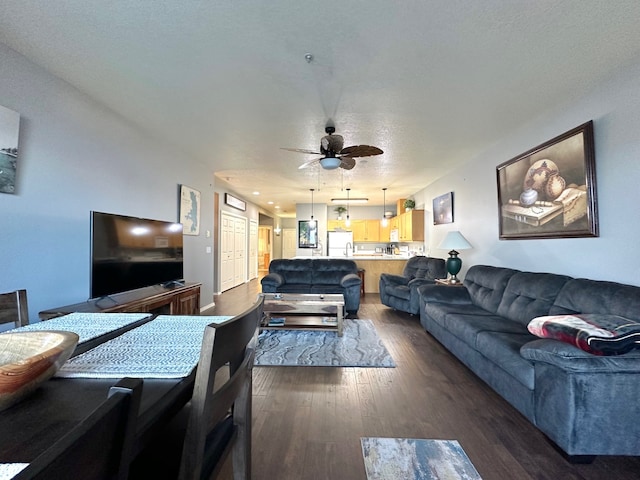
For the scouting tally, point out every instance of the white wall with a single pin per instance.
(614, 108)
(77, 156)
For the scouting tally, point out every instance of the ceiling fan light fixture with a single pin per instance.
(330, 163)
(384, 222)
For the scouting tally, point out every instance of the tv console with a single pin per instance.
(165, 300)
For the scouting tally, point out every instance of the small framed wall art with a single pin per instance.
(550, 191)
(190, 210)
(307, 234)
(9, 130)
(234, 202)
(443, 209)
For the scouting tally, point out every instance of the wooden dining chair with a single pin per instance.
(217, 420)
(100, 447)
(13, 308)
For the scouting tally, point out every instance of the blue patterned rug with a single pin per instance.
(359, 346)
(408, 458)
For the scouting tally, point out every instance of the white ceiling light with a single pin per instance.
(349, 200)
(330, 163)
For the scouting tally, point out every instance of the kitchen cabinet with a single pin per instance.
(366, 230)
(385, 231)
(393, 223)
(333, 225)
(359, 229)
(411, 226)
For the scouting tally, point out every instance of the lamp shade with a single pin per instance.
(454, 241)
(330, 163)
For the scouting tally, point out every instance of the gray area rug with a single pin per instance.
(409, 458)
(359, 346)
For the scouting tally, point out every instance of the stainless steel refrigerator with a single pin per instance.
(340, 244)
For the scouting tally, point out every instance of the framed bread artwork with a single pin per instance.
(550, 191)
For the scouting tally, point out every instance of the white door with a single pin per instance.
(253, 249)
(240, 252)
(289, 242)
(227, 223)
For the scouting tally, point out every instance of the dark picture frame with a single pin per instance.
(9, 133)
(307, 233)
(443, 209)
(235, 202)
(550, 191)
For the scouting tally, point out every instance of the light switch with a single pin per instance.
(208, 249)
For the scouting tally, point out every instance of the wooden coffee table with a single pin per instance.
(307, 311)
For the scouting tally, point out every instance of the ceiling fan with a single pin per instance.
(331, 146)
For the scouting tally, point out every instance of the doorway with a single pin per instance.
(264, 248)
(289, 242)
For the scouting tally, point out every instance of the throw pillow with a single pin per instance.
(597, 334)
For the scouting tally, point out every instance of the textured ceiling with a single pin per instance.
(432, 83)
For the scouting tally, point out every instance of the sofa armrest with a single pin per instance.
(272, 280)
(350, 280)
(415, 283)
(434, 293)
(572, 359)
(393, 279)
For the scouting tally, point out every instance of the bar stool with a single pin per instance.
(361, 275)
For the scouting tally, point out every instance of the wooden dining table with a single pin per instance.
(28, 428)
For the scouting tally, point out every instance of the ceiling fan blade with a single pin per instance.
(360, 151)
(347, 163)
(301, 150)
(309, 163)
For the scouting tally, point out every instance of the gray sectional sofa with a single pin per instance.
(586, 404)
(315, 275)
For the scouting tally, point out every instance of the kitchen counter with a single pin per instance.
(374, 266)
(357, 257)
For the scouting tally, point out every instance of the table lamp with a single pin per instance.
(454, 241)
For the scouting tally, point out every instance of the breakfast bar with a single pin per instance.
(374, 266)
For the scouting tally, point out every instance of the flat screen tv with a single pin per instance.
(129, 253)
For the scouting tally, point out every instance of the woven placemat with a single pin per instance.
(86, 325)
(167, 347)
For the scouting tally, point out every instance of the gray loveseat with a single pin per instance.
(586, 404)
(315, 275)
(401, 291)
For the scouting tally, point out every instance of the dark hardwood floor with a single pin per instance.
(307, 421)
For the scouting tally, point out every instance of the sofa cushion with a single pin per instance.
(593, 333)
(486, 285)
(295, 288)
(329, 288)
(503, 349)
(467, 327)
(331, 271)
(399, 291)
(438, 312)
(571, 359)
(529, 295)
(296, 272)
(424, 267)
(594, 296)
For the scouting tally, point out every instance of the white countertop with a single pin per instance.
(364, 257)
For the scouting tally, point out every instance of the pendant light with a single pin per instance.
(384, 221)
(347, 223)
(312, 189)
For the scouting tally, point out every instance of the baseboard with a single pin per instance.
(207, 307)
